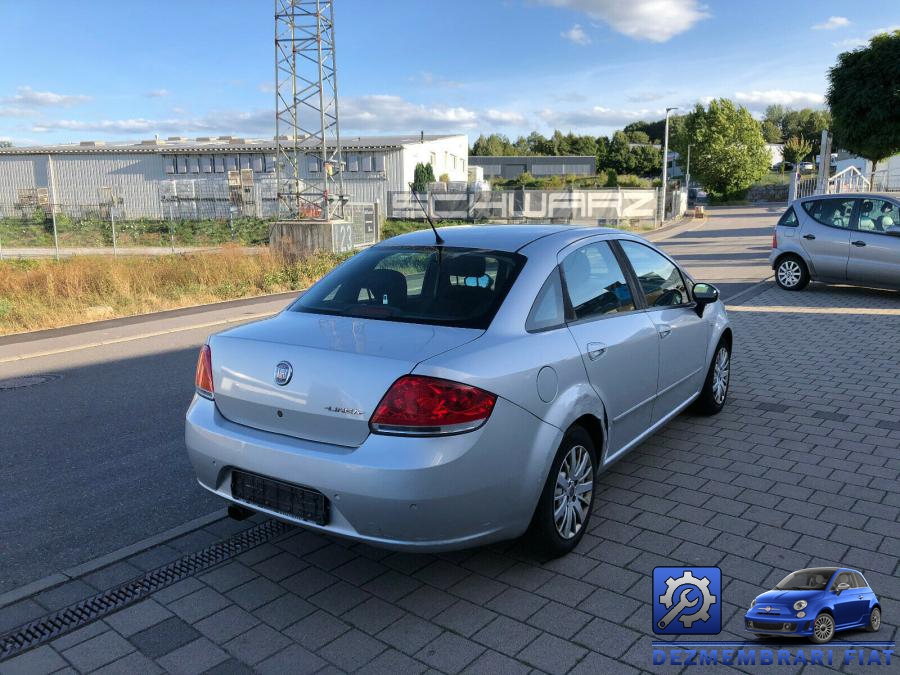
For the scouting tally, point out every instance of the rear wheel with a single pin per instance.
(874, 620)
(715, 388)
(791, 273)
(564, 508)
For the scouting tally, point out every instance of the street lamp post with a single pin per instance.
(665, 167)
(687, 170)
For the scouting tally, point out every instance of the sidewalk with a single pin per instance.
(799, 470)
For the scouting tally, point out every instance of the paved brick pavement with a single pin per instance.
(800, 469)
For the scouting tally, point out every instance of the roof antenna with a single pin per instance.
(438, 239)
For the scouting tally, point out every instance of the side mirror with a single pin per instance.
(893, 230)
(704, 294)
(842, 587)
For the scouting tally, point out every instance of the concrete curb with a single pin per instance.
(81, 570)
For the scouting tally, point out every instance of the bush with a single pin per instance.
(612, 179)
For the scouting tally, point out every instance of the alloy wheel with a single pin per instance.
(721, 372)
(823, 627)
(875, 619)
(789, 273)
(572, 494)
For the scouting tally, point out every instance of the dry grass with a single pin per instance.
(37, 294)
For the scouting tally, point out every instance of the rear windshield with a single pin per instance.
(433, 285)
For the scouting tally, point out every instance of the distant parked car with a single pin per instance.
(697, 196)
(815, 603)
(807, 167)
(787, 166)
(843, 239)
(430, 395)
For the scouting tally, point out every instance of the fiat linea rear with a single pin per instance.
(317, 416)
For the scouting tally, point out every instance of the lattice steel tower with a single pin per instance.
(308, 166)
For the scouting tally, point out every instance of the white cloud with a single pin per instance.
(15, 111)
(648, 96)
(863, 40)
(266, 88)
(653, 20)
(576, 34)
(597, 116)
(757, 98)
(259, 121)
(28, 96)
(833, 23)
(383, 112)
(158, 93)
(507, 117)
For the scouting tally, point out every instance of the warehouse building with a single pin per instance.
(205, 177)
(508, 167)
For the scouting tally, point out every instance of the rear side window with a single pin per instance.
(441, 286)
(660, 280)
(860, 582)
(788, 219)
(595, 282)
(877, 215)
(831, 212)
(548, 310)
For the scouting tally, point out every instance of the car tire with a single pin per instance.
(715, 392)
(791, 273)
(874, 620)
(823, 629)
(548, 535)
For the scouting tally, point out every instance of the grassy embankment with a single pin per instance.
(37, 294)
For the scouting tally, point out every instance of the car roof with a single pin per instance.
(852, 195)
(496, 237)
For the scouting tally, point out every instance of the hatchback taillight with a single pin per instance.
(774, 238)
(203, 381)
(427, 406)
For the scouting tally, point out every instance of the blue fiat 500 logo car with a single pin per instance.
(815, 603)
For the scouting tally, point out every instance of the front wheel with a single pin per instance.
(874, 620)
(715, 387)
(791, 273)
(823, 629)
(564, 508)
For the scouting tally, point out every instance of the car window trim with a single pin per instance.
(690, 304)
(859, 207)
(790, 209)
(558, 271)
(853, 213)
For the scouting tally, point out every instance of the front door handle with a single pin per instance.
(665, 331)
(859, 243)
(595, 350)
(809, 236)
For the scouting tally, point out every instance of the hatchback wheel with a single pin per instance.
(715, 388)
(791, 273)
(874, 620)
(823, 629)
(564, 508)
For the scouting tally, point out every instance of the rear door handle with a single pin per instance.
(809, 236)
(859, 243)
(595, 350)
(664, 331)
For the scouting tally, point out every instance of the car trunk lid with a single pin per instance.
(341, 367)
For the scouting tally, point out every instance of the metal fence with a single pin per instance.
(610, 206)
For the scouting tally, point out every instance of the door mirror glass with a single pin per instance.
(704, 294)
(842, 587)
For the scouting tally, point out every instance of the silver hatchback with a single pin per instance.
(429, 396)
(842, 238)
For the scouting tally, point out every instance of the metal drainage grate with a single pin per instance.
(96, 607)
(26, 381)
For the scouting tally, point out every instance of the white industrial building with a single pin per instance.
(205, 177)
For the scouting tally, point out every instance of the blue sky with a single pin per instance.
(114, 70)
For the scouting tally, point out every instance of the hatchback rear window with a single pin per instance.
(445, 286)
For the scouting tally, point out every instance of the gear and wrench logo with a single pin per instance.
(685, 598)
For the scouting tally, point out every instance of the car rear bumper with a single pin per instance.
(425, 494)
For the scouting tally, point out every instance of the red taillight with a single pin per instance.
(203, 380)
(774, 238)
(426, 405)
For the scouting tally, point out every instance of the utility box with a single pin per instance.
(300, 238)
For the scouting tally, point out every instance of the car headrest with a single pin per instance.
(466, 265)
(866, 207)
(390, 283)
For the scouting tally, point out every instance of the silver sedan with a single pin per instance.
(432, 396)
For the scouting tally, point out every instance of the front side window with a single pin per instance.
(831, 212)
(789, 219)
(842, 578)
(659, 278)
(877, 215)
(417, 284)
(595, 282)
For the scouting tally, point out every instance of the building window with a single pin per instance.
(205, 164)
(168, 164)
(313, 165)
(353, 162)
(368, 162)
(193, 163)
(379, 162)
(258, 163)
(433, 159)
(270, 163)
(219, 162)
(245, 161)
(181, 164)
(230, 163)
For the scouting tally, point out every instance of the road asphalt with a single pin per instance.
(94, 456)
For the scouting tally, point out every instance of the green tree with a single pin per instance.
(645, 160)
(612, 179)
(493, 145)
(637, 136)
(771, 131)
(864, 96)
(602, 144)
(617, 157)
(728, 152)
(423, 175)
(795, 150)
